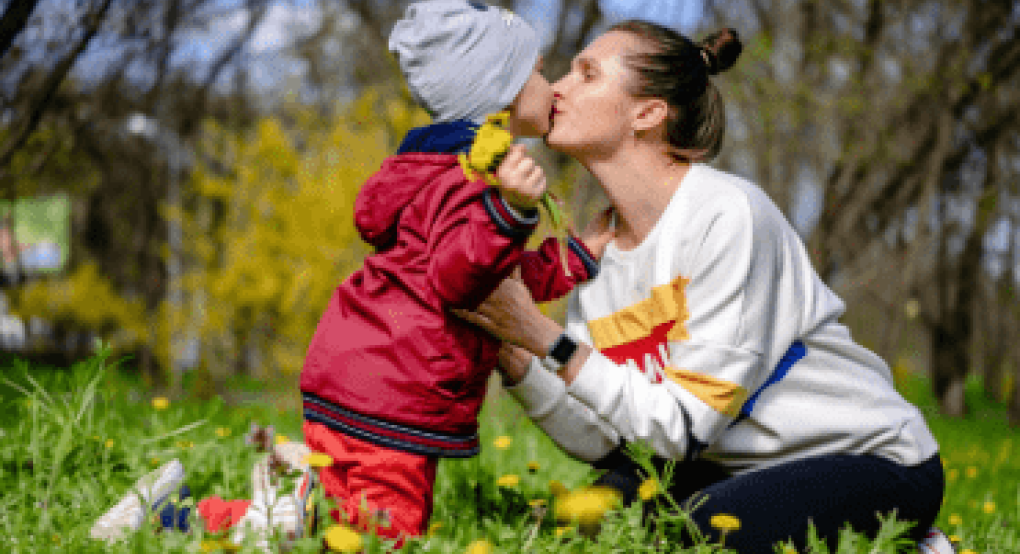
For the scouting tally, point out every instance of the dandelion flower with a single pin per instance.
(508, 481)
(968, 551)
(725, 522)
(533, 467)
(536, 503)
(562, 529)
(480, 546)
(972, 472)
(953, 474)
(185, 444)
(317, 459)
(954, 538)
(503, 442)
(341, 538)
(557, 488)
(586, 506)
(222, 432)
(435, 527)
(648, 489)
(160, 403)
(989, 507)
(109, 443)
(282, 439)
(955, 519)
(218, 545)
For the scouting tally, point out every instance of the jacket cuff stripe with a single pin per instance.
(388, 434)
(507, 222)
(581, 251)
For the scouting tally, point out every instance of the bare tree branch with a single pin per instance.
(13, 21)
(92, 23)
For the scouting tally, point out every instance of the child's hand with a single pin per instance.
(521, 180)
(599, 232)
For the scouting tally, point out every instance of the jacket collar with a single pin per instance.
(452, 137)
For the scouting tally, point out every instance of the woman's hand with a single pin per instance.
(599, 232)
(511, 315)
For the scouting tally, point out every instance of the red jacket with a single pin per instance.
(388, 362)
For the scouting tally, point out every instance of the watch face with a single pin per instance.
(563, 349)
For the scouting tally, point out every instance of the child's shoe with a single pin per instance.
(273, 506)
(935, 542)
(149, 492)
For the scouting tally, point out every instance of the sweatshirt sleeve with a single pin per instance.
(542, 269)
(474, 242)
(572, 425)
(724, 312)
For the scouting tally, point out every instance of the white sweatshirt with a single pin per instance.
(690, 323)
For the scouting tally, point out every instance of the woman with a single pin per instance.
(707, 334)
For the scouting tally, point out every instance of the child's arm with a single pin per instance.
(542, 270)
(476, 242)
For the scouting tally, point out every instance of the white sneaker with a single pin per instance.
(151, 491)
(271, 510)
(935, 542)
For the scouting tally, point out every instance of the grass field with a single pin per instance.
(77, 440)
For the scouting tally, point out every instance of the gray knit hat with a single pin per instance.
(463, 60)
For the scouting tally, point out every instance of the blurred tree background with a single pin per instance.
(213, 149)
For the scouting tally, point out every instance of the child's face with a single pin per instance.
(529, 114)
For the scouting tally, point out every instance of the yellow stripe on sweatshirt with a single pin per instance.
(667, 303)
(722, 396)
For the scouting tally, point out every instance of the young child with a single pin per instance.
(392, 380)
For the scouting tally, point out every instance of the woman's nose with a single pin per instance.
(559, 86)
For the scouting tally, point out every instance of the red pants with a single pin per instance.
(396, 486)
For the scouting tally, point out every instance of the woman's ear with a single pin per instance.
(650, 113)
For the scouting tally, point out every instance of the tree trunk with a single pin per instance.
(949, 371)
(994, 348)
(1014, 397)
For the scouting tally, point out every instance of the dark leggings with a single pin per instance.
(776, 504)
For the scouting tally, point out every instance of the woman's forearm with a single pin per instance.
(514, 362)
(544, 335)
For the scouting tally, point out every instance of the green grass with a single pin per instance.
(73, 440)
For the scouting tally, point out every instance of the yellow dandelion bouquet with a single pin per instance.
(488, 150)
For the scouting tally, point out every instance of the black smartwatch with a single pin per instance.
(560, 353)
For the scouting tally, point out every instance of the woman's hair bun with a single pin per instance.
(721, 50)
